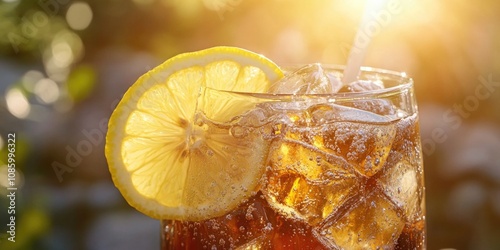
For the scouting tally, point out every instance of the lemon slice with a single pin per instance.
(166, 157)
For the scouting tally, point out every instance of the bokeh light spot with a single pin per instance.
(79, 16)
(47, 90)
(55, 72)
(30, 78)
(66, 48)
(17, 103)
(62, 53)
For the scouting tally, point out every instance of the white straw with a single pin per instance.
(362, 40)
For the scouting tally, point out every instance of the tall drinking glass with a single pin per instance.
(339, 170)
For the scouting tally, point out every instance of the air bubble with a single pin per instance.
(210, 152)
(222, 242)
(238, 132)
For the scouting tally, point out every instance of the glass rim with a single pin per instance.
(403, 83)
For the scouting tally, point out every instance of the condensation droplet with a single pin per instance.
(238, 131)
(222, 242)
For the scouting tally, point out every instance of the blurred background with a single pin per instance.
(64, 65)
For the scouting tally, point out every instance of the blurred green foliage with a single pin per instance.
(81, 82)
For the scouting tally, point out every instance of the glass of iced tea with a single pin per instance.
(231, 151)
(341, 165)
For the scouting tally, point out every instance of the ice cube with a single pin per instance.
(287, 113)
(362, 86)
(365, 145)
(327, 113)
(407, 138)
(403, 183)
(377, 106)
(310, 79)
(304, 183)
(412, 237)
(362, 138)
(372, 223)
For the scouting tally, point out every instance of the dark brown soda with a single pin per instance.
(253, 225)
